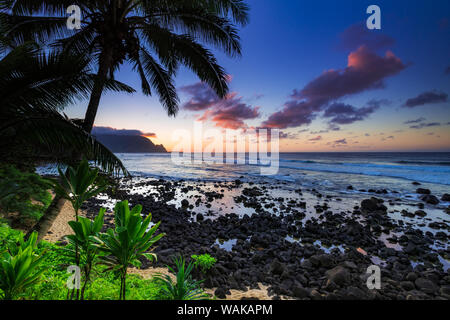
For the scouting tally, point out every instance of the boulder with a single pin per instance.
(423, 191)
(372, 205)
(322, 260)
(184, 203)
(220, 293)
(426, 285)
(430, 199)
(299, 292)
(446, 197)
(339, 275)
(407, 285)
(276, 267)
(420, 213)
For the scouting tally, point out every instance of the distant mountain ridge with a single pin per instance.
(129, 144)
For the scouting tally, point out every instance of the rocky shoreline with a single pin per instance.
(299, 245)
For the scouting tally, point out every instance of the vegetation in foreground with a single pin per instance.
(24, 196)
(32, 270)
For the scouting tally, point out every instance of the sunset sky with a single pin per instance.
(313, 70)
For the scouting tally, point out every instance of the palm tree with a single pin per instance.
(155, 36)
(34, 87)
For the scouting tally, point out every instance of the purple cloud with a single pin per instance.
(202, 97)
(318, 138)
(346, 114)
(428, 97)
(426, 125)
(388, 138)
(341, 141)
(228, 113)
(365, 70)
(415, 121)
(288, 135)
(358, 34)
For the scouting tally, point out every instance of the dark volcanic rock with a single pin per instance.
(430, 199)
(300, 268)
(426, 285)
(446, 197)
(423, 191)
(220, 293)
(373, 205)
(299, 292)
(277, 267)
(407, 285)
(184, 203)
(339, 275)
(420, 213)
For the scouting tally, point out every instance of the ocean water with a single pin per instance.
(393, 172)
(327, 173)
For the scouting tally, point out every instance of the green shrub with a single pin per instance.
(185, 288)
(130, 241)
(104, 284)
(204, 262)
(8, 237)
(19, 268)
(23, 192)
(83, 242)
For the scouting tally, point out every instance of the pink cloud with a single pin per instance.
(358, 34)
(318, 138)
(228, 113)
(365, 70)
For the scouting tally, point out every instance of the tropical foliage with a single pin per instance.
(23, 193)
(155, 37)
(52, 282)
(83, 239)
(204, 262)
(34, 88)
(78, 185)
(19, 268)
(184, 288)
(131, 240)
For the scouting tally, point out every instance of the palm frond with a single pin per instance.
(189, 53)
(33, 87)
(161, 81)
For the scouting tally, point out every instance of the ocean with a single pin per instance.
(389, 176)
(330, 171)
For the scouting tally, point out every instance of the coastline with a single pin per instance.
(301, 244)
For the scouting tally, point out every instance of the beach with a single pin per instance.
(298, 242)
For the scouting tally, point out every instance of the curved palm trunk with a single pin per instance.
(105, 64)
(46, 221)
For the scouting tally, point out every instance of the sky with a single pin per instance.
(315, 71)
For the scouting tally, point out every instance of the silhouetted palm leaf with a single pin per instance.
(33, 87)
(155, 36)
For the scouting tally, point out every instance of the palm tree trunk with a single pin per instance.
(46, 221)
(99, 84)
